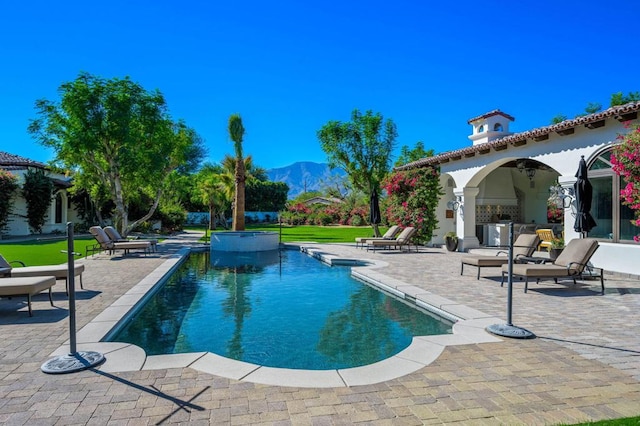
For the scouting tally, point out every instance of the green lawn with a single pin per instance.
(49, 252)
(320, 234)
(42, 252)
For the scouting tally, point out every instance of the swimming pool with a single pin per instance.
(286, 310)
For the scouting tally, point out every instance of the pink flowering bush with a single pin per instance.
(626, 163)
(412, 200)
(345, 213)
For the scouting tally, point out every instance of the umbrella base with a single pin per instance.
(507, 330)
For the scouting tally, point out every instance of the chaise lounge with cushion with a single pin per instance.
(523, 246)
(60, 272)
(403, 239)
(389, 235)
(107, 244)
(116, 237)
(571, 263)
(26, 286)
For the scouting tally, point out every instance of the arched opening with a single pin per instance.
(497, 127)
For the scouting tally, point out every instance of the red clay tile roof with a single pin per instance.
(491, 114)
(13, 162)
(624, 112)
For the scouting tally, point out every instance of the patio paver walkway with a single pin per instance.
(585, 364)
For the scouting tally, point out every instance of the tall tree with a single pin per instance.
(118, 138)
(417, 153)
(361, 147)
(236, 133)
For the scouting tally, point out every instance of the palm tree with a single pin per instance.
(212, 193)
(236, 133)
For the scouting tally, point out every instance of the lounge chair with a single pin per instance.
(116, 237)
(26, 286)
(60, 271)
(389, 235)
(523, 246)
(403, 239)
(546, 235)
(571, 263)
(106, 244)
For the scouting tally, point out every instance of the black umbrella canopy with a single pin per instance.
(584, 193)
(374, 209)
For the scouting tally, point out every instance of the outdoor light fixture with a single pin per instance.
(454, 204)
(521, 165)
(563, 197)
(530, 173)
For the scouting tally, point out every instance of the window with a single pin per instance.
(58, 218)
(481, 129)
(497, 127)
(613, 218)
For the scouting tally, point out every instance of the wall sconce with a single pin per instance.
(563, 197)
(454, 204)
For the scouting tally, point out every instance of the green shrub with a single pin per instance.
(8, 189)
(38, 193)
(173, 218)
(323, 219)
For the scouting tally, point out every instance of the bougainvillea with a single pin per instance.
(8, 188)
(412, 200)
(626, 163)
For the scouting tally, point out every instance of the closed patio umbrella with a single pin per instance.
(374, 212)
(584, 193)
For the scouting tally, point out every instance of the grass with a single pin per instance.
(617, 422)
(42, 252)
(319, 234)
(49, 252)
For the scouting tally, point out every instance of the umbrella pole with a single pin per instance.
(508, 329)
(74, 360)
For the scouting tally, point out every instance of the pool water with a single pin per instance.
(287, 310)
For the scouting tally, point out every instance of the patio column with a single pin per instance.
(466, 219)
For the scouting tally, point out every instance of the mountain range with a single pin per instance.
(306, 176)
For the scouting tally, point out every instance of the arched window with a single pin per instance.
(613, 219)
(481, 129)
(497, 127)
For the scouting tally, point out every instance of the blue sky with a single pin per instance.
(288, 67)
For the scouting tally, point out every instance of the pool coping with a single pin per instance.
(469, 328)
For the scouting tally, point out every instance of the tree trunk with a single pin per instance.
(212, 218)
(238, 208)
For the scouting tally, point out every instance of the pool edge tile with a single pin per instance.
(296, 378)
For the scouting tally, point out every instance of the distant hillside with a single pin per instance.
(305, 176)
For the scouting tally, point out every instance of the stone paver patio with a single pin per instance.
(584, 364)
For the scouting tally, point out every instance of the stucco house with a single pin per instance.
(61, 210)
(504, 176)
